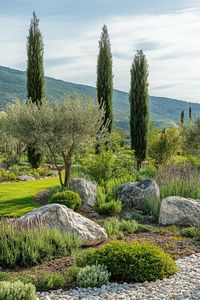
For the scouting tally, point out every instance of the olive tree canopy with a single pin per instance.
(59, 130)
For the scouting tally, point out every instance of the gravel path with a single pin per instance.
(185, 285)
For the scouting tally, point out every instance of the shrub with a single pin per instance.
(7, 176)
(68, 198)
(4, 276)
(92, 276)
(133, 262)
(110, 208)
(183, 181)
(191, 232)
(16, 291)
(129, 226)
(28, 247)
(45, 281)
(54, 190)
(112, 227)
(151, 207)
(71, 274)
(115, 227)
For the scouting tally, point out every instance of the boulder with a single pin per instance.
(134, 194)
(65, 219)
(86, 189)
(26, 178)
(181, 211)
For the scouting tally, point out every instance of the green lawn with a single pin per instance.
(17, 198)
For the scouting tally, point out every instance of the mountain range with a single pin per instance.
(164, 112)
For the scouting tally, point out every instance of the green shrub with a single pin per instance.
(191, 232)
(112, 227)
(110, 208)
(28, 247)
(54, 190)
(139, 216)
(71, 274)
(4, 276)
(151, 207)
(92, 276)
(68, 198)
(133, 262)
(115, 227)
(16, 291)
(129, 226)
(148, 171)
(7, 176)
(45, 281)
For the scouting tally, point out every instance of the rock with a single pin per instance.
(65, 219)
(86, 189)
(134, 194)
(25, 178)
(180, 211)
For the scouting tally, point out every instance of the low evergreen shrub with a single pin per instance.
(68, 198)
(92, 276)
(130, 262)
(110, 208)
(16, 291)
(45, 281)
(191, 232)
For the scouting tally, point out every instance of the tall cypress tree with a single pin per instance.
(105, 77)
(190, 115)
(139, 107)
(35, 77)
(182, 118)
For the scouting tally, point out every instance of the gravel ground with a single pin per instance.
(185, 285)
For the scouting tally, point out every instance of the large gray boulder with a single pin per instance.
(86, 189)
(176, 210)
(133, 195)
(65, 219)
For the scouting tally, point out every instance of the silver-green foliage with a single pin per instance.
(16, 291)
(92, 276)
(59, 130)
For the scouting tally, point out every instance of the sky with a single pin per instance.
(168, 31)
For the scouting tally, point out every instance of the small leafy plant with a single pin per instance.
(16, 291)
(68, 198)
(92, 276)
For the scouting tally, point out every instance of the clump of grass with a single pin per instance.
(181, 181)
(116, 228)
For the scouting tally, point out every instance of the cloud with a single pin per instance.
(170, 41)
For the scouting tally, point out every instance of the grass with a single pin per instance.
(17, 198)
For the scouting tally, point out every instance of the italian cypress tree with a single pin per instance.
(35, 78)
(182, 117)
(139, 107)
(190, 115)
(105, 77)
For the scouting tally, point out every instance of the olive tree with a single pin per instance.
(59, 130)
(191, 138)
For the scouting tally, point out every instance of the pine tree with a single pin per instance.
(105, 77)
(182, 118)
(139, 107)
(35, 77)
